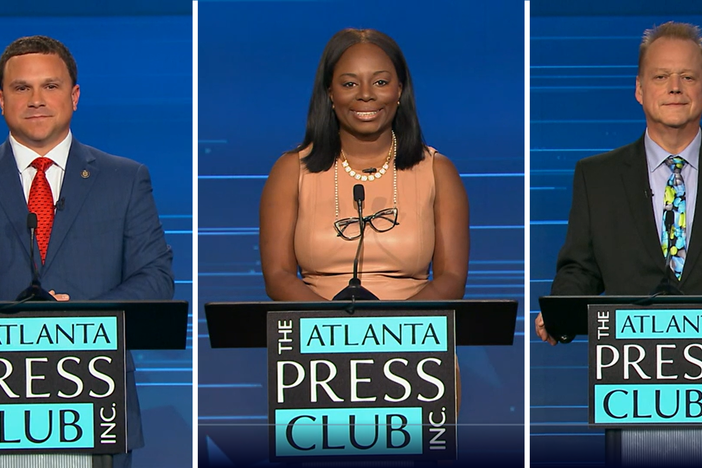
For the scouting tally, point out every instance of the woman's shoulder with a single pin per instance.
(432, 157)
(281, 184)
(439, 162)
(431, 154)
(292, 158)
(286, 162)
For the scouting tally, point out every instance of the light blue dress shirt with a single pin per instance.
(659, 173)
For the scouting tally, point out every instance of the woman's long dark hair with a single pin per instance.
(322, 131)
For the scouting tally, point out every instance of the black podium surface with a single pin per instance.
(148, 324)
(566, 316)
(478, 323)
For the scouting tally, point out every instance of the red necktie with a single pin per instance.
(41, 203)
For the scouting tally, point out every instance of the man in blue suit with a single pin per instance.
(105, 241)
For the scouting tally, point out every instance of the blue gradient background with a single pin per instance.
(256, 67)
(135, 71)
(583, 69)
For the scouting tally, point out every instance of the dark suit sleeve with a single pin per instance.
(577, 270)
(147, 259)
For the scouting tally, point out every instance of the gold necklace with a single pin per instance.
(392, 152)
(394, 180)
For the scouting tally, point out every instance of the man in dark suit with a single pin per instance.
(615, 240)
(105, 240)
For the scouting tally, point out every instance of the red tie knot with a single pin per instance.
(42, 164)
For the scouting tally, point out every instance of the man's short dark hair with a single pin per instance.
(38, 45)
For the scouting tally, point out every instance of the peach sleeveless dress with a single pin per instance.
(394, 265)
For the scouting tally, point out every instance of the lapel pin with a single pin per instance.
(85, 174)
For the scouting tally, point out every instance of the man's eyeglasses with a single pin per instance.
(382, 221)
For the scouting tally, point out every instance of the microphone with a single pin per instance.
(359, 196)
(666, 288)
(34, 292)
(61, 204)
(354, 291)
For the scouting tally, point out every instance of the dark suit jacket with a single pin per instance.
(106, 243)
(612, 244)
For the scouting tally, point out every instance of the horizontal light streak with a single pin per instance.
(588, 121)
(586, 38)
(164, 384)
(232, 385)
(575, 88)
(558, 406)
(549, 223)
(579, 67)
(567, 150)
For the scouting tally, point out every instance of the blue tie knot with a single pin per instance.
(675, 163)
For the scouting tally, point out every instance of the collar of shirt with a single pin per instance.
(54, 175)
(24, 156)
(655, 155)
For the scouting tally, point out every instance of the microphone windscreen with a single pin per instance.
(359, 193)
(31, 221)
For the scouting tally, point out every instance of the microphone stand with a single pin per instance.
(34, 292)
(666, 287)
(354, 291)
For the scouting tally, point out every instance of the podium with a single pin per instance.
(63, 370)
(642, 389)
(478, 322)
(148, 324)
(245, 325)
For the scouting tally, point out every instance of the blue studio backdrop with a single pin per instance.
(583, 69)
(256, 66)
(135, 72)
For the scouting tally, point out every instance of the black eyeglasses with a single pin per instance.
(382, 221)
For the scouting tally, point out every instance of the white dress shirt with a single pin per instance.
(54, 174)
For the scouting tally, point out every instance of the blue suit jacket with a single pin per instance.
(106, 243)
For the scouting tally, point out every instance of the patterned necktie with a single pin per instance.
(41, 203)
(674, 220)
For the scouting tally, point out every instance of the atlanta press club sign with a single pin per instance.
(62, 382)
(378, 384)
(645, 365)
